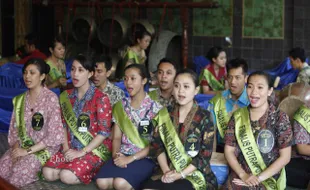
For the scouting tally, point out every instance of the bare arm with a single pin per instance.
(163, 162)
(65, 145)
(278, 164)
(16, 145)
(61, 82)
(37, 147)
(95, 143)
(303, 149)
(232, 160)
(117, 138)
(51, 84)
(141, 154)
(189, 169)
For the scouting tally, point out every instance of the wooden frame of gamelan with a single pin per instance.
(183, 5)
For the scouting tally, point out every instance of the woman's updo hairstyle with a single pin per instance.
(40, 64)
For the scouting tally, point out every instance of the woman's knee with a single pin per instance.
(68, 177)
(106, 183)
(50, 174)
(121, 184)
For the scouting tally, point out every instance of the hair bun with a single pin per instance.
(47, 68)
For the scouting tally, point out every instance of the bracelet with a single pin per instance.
(183, 175)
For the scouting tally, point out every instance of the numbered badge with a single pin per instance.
(83, 122)
(145, 127)
(37, 121)
(192, 145)
(265, 141)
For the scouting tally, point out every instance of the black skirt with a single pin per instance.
(181, 184)
(135, 174)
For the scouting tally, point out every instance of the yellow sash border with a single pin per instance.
(26, 141)
(84, 137)
(212, 81)
(302, 116)
(51, 73)
(250, 151)
(221, 115)
(127, 127)
(154, 95)
(175, 149)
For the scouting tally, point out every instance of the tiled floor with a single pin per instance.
(43, 185)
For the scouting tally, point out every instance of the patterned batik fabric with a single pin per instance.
(114, 93)
(197, 122)
(231, 106)
(301, 136)
(97, 105)
(147, 110)
(165, 102)
(25, 169)
(220, 77)
(304, 74)
(274, 120)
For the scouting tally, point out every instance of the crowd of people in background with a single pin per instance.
(160, 139)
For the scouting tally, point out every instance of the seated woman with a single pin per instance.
(213, 77)
(298, 170)
(258, 140)
(87, 118)
(35, 131)
(136, 53)
(56, 78)
(132, 133)
(184, 137)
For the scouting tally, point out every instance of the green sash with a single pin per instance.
(212, 81)
(129, 55)
(250, 151)
(26, 141)
(221, 115)
(175, 149)
(154, 95)
(303, 117)
(54, 72)
(127, 127)
(84, 137)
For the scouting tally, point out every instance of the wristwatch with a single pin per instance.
(29, 151)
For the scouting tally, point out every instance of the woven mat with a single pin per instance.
(58, 185)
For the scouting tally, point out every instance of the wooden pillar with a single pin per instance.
(22, 20)
(59, 18)
(185, 20)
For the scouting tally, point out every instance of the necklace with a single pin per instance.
(32, 101)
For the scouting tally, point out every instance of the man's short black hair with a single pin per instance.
(104, 59)
(298, 52)
(167, 60)
(236, 63)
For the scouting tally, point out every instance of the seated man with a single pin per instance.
(102, 72)
(31, 49)
(298, 170)
(224, 104)
(166, 72)
(298, 61)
